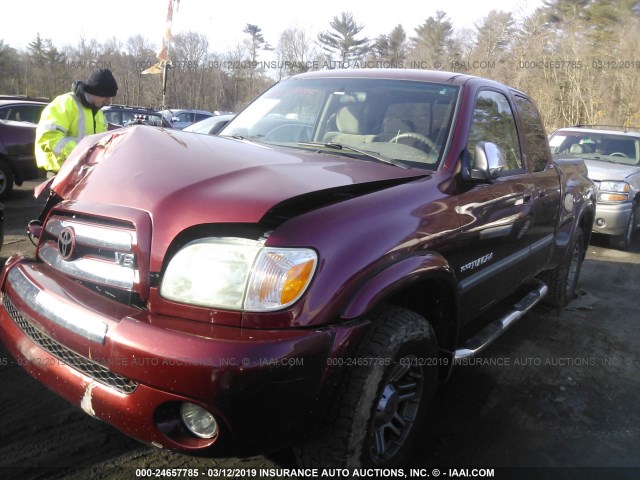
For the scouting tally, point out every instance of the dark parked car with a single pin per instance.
(21, 108)
(1, 225)
(306, 277)
(18, 120)
(124, 115)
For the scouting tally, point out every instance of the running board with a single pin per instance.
(485, 337)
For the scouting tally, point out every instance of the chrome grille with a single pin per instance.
(102, 254)
(90, 368)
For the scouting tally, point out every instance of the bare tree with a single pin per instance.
(10, 78)
(243, 83)
(136, 88)
(495, 34)
(295, 52)
(625, 107)
(189, 59)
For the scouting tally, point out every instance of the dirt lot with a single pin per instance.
(559, 389)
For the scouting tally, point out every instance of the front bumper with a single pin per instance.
(133, 369)
(612, 219)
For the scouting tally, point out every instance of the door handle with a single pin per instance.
(526, 198)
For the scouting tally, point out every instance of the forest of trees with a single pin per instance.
(579, 59)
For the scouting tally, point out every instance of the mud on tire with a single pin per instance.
(563, 279)
(384, 397)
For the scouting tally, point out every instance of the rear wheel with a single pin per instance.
(563, 279)
(383, 401)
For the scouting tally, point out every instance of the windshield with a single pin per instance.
(403, 121)
(605, 147)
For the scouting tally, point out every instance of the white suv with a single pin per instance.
(612, 156)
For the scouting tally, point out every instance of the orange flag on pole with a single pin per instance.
(163, 54)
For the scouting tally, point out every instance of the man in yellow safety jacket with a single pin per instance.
(72, 116)
(64, 122)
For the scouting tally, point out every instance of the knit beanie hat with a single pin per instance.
(101, 83)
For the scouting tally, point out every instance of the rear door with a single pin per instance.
(546, 181)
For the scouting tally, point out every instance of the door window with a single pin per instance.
(493, 121)
(534, 136)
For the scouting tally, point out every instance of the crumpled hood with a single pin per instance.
(184, 179)
(609, 171)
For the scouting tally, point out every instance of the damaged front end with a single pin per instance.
(148, 266)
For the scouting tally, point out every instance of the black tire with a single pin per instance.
(6, 180)
(563, 279)
(623, 242)
(384, 397)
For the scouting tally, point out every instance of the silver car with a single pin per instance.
(181, 118)
(211, 125)
(612, 156)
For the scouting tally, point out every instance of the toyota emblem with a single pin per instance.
(67, 243)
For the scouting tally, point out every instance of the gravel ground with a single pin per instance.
(559, 390)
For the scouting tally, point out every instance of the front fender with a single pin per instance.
(395, 277)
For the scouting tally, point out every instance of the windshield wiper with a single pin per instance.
(366, 153)
(235, 136)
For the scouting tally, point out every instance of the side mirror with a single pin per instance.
(489, 162)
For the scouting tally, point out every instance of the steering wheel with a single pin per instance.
(416, 136)
(618, 154)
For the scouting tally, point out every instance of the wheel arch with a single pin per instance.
(422, 283)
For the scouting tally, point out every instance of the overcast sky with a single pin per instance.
(222, 21)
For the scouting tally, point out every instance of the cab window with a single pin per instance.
(534, 136)
(493, 121)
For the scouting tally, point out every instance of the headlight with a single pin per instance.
(613, 191)
(238, 274)
(618, 187)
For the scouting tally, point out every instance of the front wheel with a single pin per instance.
(6, 180)
(563, 279)
(384, 398)
(623, 241)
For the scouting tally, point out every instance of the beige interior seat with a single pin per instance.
(576, 148)
(392, 127)
(350, 127)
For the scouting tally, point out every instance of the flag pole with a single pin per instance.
(165, 69)
(164, 62)
(164, 57)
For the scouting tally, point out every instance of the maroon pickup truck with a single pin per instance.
(306, 278)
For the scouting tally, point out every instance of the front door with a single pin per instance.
(496, 218)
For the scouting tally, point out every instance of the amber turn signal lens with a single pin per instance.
(297, 279)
